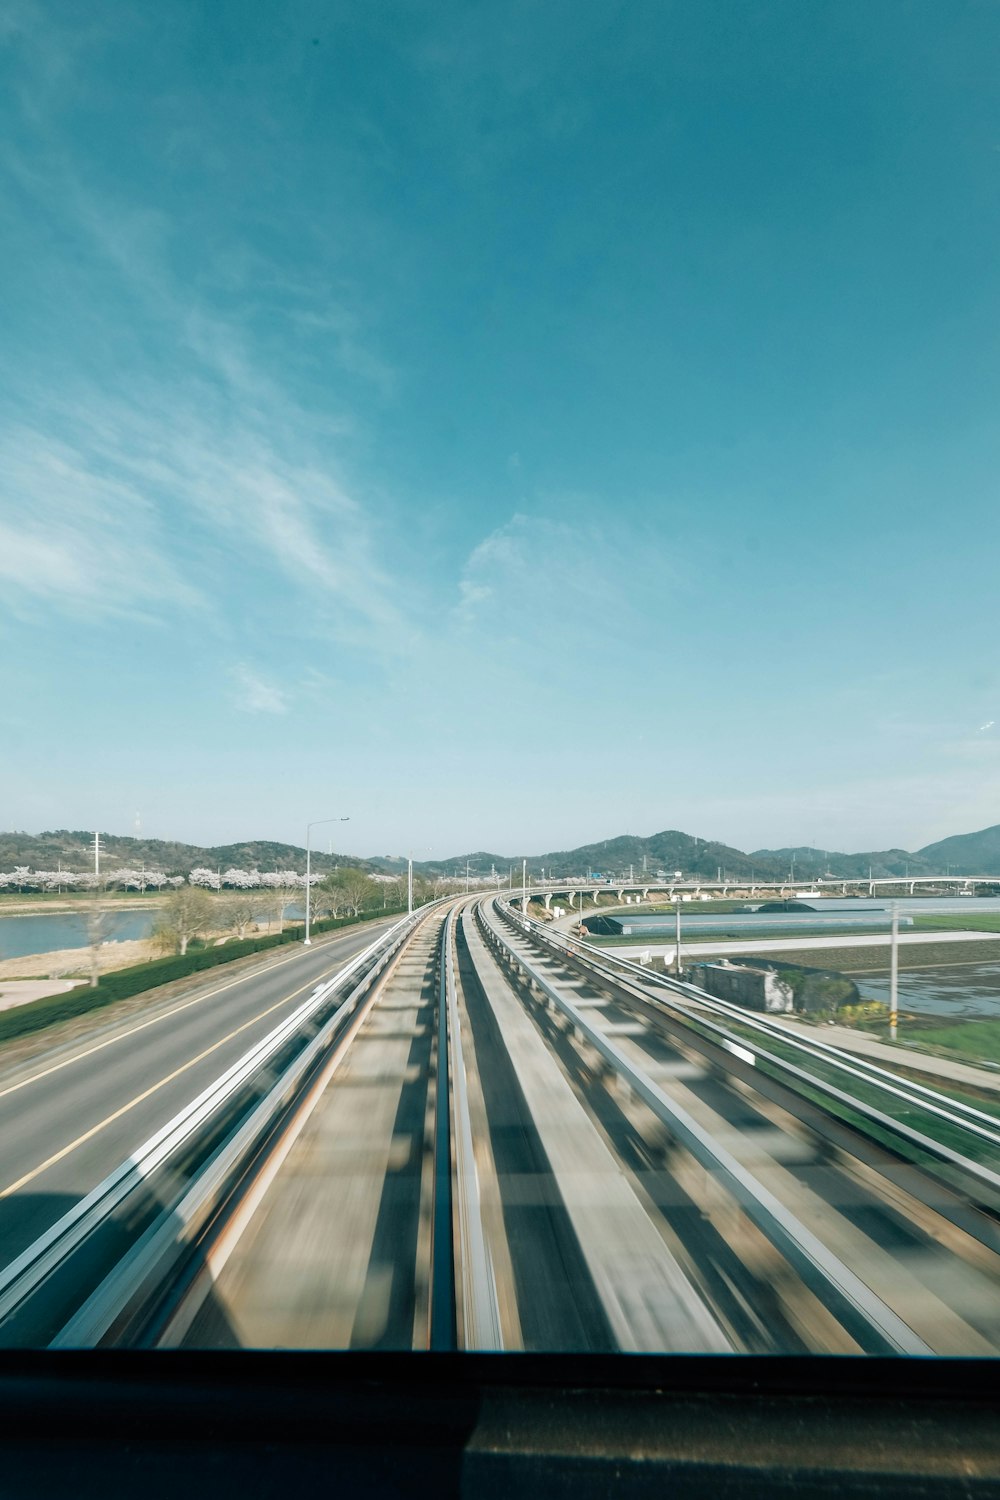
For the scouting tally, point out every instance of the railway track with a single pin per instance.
(479, 1136)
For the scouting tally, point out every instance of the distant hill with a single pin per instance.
(74, 849)
(670, 851)
(973, 853)
(813, 864)
(969, 853)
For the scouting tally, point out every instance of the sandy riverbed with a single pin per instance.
(68, 963)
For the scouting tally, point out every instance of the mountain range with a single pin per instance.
(966, 854)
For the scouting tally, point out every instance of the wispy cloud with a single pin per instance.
(79, 540)
(194, 455)
(254, 694)
(100, 486)
(544, 572)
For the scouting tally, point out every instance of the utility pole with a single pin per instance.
(97, 855)
(409, 884)
(677, 935)
(894, 973)
(466, 877)
(524, 884)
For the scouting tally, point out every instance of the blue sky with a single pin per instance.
(507, 424)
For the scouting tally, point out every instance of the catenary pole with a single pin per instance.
(894, 973)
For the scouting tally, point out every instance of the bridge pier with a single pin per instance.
(548, 900)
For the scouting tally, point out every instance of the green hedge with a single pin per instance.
(22, 1020)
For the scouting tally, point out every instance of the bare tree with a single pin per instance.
(278, 900)
(329, 895)
(239, 910)
(187, 912)
(98, 926)
(358, 889)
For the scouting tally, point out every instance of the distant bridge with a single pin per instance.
(575, 890)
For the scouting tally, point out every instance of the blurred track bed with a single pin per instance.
(491, 1142)
(332, 1247)
(927, 1281)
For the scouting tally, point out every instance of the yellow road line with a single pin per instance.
(96, 1129)
(153, 1021)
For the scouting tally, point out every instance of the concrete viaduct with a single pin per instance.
(577, 891)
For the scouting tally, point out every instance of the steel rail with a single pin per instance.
(442, 1319)
(859, 1310)
(476, 1283)
(23, 1276)
(921, 1098)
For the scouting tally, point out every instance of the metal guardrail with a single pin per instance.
(913, 1091)
(955, 1113)
(27, 1274)
(865, 1316)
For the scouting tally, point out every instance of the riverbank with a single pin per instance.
(70, 963)
(51, 904)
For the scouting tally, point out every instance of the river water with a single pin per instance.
(47, 932)
(958, 990)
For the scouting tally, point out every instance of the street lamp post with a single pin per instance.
(307, 941)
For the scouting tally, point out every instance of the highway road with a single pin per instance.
(67, 1118)
(496, 1138)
